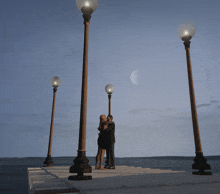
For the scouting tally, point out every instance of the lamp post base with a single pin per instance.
(201, 165)
(80, 166)
(48, 161)
(201, 172)
(79, 177)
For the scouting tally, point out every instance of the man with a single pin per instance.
(110, 133)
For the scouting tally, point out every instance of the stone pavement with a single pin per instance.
(123, 179)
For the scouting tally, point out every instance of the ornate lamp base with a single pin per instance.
(48, 161)
(201, 165)
(80, 166)
(79, 177)
(201, 172)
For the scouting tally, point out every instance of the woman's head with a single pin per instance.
(102, 118)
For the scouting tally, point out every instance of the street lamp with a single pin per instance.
(81, 165)
(109, 89)
(55, 82)
(185, 32)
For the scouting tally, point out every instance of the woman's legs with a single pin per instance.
(101, 159)
(98, 157)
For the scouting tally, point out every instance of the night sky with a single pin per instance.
(151, 107)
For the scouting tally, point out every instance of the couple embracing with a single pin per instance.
(106, 142)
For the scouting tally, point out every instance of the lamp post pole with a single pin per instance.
(186, 32)
(81, 161)
(109, 105)
(192, 100)
(55, 82)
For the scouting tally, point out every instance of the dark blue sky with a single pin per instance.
(41, 39)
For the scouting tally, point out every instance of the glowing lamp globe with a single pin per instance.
(87, 6)
(109, 88)
(55, 81)
(186, 31)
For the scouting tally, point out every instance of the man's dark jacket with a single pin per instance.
(110, 133)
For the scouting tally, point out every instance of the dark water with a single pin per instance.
(14, 178)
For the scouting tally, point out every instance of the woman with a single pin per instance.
(101, 142)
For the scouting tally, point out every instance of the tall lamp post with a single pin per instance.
(55, 82)
(109, 89)
(185, 32)
(81, 165)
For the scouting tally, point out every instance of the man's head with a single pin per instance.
(110, 118)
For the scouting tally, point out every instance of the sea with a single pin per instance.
(14, 177)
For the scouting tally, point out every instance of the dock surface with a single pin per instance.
(122, 179)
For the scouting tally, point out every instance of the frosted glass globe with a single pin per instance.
(55, 81)
(186, 31)
(109, 88)
(93, 4)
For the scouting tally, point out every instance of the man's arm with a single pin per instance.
(110, 127)
(108, 122)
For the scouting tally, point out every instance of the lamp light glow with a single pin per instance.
(93, 4)
(87, 4)
(186, 31)
(109, 88)
(55, 81)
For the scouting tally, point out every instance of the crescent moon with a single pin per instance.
(134, 77)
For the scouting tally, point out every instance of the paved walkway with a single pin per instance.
(123, 179)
